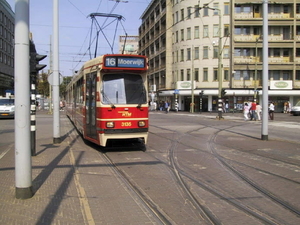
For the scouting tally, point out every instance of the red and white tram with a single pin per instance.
(107, 99)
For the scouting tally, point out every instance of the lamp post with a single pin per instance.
(220, 101)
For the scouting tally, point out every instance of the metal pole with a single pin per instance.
(49, 73)
(33, 115)
(192, 80)
(255, 75)
(23, 173)
(264, 129)
(220, 101)
(56, 122)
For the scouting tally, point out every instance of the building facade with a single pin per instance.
(128, 44)
(283, 51)
(7, 29)
(218, 45)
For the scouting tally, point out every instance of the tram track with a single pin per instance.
(263, 217)
(206, 212)
(249, 181)
(160, 216)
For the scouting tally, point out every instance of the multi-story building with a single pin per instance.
(128, 44)
(283, 51)
(7, 21)
(219, 45)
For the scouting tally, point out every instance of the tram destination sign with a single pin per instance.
(124, 62)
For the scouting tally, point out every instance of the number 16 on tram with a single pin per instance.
(107, 98)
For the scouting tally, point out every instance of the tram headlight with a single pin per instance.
(110, 124)
(142, 123)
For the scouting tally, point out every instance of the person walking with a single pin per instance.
(167, 106)
(258, 111)
(253, 111)
(246, 111)
(271, 110)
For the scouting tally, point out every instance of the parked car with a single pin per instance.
(7, 108)
(296, 109)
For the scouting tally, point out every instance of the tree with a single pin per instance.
(63, 86)
(43, 84)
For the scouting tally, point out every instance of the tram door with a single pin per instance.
(90, 117)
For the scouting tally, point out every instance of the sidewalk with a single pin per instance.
(61, 175)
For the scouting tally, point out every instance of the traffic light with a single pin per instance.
(201, 93)
(223, 92)
(35, 67)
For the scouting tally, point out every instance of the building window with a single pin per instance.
(197, 12)
(182, 34)
(188, 74)
(226, 30)
(226, 52)
(176, 36)
(196, 32)
(216, 30)
(276, 52)
(246, 75)
(189, 12)
(226, 8)
(181, 55)
(298, 8)
(205, 52)
(216, 7)
(205, 12)
(182, 14)
(188, 55)
(216, 50)
(297, 52)
(205, 74)
(196, 74)
(176, 17)
(188, 35)
(182, 75)
(205, 31)
(286, 75)
(276, 75)
(215, 74)
(297, 75)
(226, 74)
(196, 54)
(237, 75)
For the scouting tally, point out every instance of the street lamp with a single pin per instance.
(255, 74)
(220, 101)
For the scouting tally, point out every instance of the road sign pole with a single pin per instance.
(23, 173)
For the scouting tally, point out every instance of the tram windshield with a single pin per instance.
(123, 89)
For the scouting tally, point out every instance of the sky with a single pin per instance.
(75, 33)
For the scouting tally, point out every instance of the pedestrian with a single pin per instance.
(161, 106)
(61, 106)
(258, 111)
(166, 106)
(285, 106)
(271, 110)
(253, 111)
(289, 107)
(192, 106)
(154, 106)
(226, 107)
(246, 111)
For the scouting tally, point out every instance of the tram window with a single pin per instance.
(123, 89)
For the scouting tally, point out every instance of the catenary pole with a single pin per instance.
(23, 172)
(264, 128)
(55, 88)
